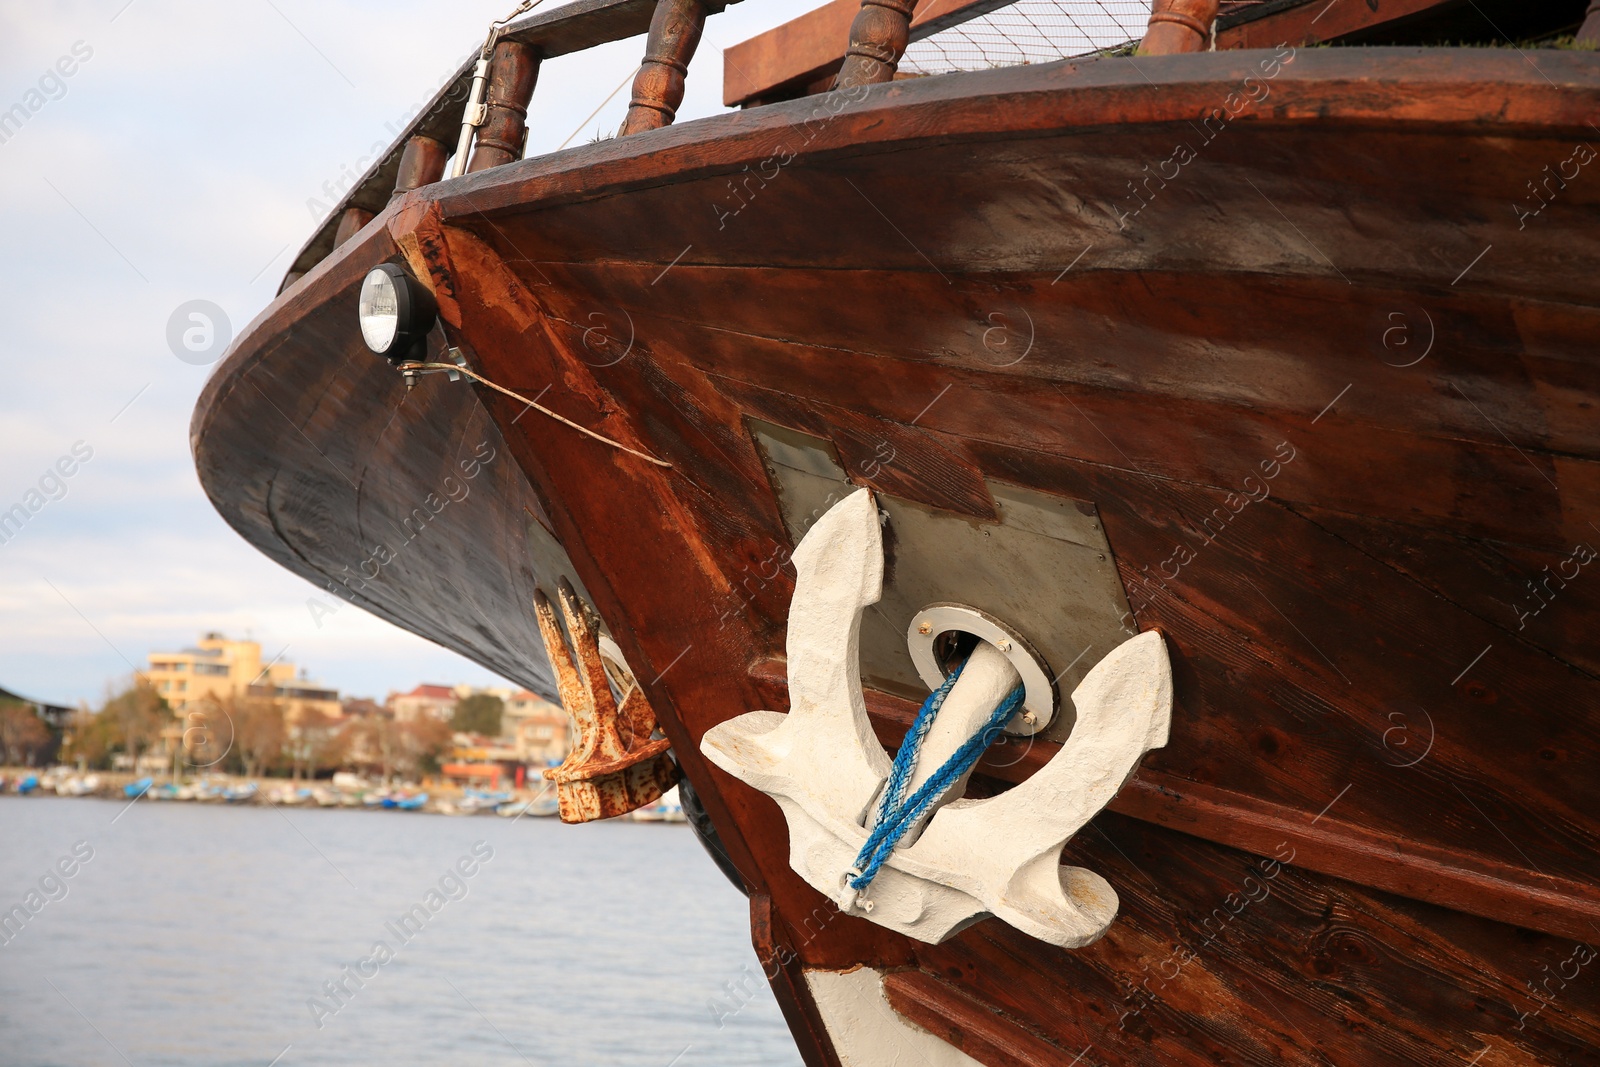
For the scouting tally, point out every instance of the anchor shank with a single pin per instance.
(987, 679)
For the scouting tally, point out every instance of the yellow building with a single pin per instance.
(218, 668)
(541, 730)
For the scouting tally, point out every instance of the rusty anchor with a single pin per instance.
(616, 766)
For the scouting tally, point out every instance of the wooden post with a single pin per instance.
(1590, 30)
(350, 224)
(658, 87)
(421, 163)
(1179, 26)
(512, 73)
(878, 38)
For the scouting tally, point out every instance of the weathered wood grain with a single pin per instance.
(513, 72)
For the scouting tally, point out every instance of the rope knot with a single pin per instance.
(897, 813)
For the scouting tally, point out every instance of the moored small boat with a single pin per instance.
(542, 806)
(665, 809)
(79, 786)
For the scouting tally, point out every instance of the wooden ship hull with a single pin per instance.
(1303, 335)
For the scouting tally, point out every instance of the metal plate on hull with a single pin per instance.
(1045, 568)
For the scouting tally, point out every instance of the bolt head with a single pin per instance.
(925, 628)
(1004, 645)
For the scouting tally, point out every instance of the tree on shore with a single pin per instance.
(208, 733)
(23, 736)
(422, 742)
(258, 731)
(315, 743)
(371, 744)
(478, 714)
(135, 717)
(88, 739)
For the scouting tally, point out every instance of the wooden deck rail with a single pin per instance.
(419, 155)
(425, 143)
(881, 31)
(800, 57)
(803, 55)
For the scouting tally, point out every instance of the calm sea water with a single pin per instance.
(197, 934)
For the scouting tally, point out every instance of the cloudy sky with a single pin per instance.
(175, 163)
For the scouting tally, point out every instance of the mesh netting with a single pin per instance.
(1029, 31)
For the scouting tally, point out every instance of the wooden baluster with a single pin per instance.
(658, 87)
(878, 38)
(512, 72)
(1179, 26)
(421, 163)
(1589, 32)
(350, 224)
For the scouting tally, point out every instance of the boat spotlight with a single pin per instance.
(396, 312)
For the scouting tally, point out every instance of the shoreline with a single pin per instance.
(431, 796)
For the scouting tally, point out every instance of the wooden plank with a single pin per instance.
(812, 46)
(584, 24)
(966, 1023)
(802, 49)
(1220, 958)
(1309, 22)
(1391, 21)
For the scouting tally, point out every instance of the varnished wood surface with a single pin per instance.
(878, 37)
(312, 449)
(965, 1022)
(1222, 957)
(658, 86)
(504, 132)
(851, 298)
(1178, 26)
(421, 163)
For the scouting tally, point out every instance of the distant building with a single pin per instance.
(539, 729)
(300, 696)
(218, 668)
(432, 701)
(366, 708)
(54, 715)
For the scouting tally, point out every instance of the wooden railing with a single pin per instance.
(805, 54)
(862, 40)
(876, 40)
(419, 156)
(845, 42)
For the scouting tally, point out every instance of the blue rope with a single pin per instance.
(897, 814)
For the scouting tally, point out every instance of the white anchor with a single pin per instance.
(973, 858)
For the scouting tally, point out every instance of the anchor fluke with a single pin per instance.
(616, 766)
